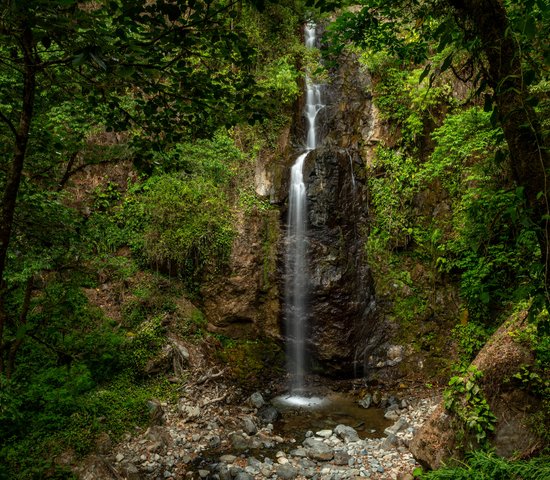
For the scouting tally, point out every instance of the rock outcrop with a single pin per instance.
(499, 359)
(341, 297)
(244, 303)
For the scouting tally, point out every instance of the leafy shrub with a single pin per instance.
(145, 343)
(216, 159)
(184, 225)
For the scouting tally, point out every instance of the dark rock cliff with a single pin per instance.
(343, 328)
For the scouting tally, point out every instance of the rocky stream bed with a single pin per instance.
(226, 436)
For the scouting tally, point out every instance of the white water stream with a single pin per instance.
(296, 288)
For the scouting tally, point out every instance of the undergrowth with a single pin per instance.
(481, 465)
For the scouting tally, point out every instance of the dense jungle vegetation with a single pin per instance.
(129, 132)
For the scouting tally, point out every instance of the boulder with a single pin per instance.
(366, 401)
(238, 441)
(286, 472)
(249, 426)
(346, 433)
(318, 450)
(401, 424)
(156, 412)
(499, 360)
(268, 414)
(256, 400)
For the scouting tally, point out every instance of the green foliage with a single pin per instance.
(158, 85)
(279, 82)
(481, 465)
(471, 337)
(487, 238)
(408, 104)
(187, 225)
(67, 414)
(393, 222)
(145, 343)
(217, 158)
(249, 201)
(466, 143)
(534, 378)
(465, 399)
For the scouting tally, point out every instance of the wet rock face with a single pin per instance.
(340, 297)
(342, 327)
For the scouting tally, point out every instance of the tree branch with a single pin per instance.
(9, 123)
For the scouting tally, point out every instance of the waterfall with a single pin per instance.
(351, 171)
(296, 263)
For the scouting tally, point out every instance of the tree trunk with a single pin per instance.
(13, 177)
(530, 161)
(14, 348)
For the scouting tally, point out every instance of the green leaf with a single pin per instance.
(425, 72)
(530, 28)
(447, 62)
(79, 59)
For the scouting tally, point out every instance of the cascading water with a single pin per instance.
(296, 277)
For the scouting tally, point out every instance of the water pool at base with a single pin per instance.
(302, 413)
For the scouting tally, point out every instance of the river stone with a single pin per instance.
(391, 415)
(256, 400)
(214, 441)
(286, 472)
(248, 426)
(341, 457)
(318, 450)
(266, 470)
(346, 433)
(228, 458)
(223, 472)
(390, 441)
(401, 424)
(298, 452)
(366, 401)
(254, 463)
(131, 472)
(268, 414)
(238, 441)
(243, 476)
(324, 433)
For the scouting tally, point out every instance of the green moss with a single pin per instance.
(252, 362)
